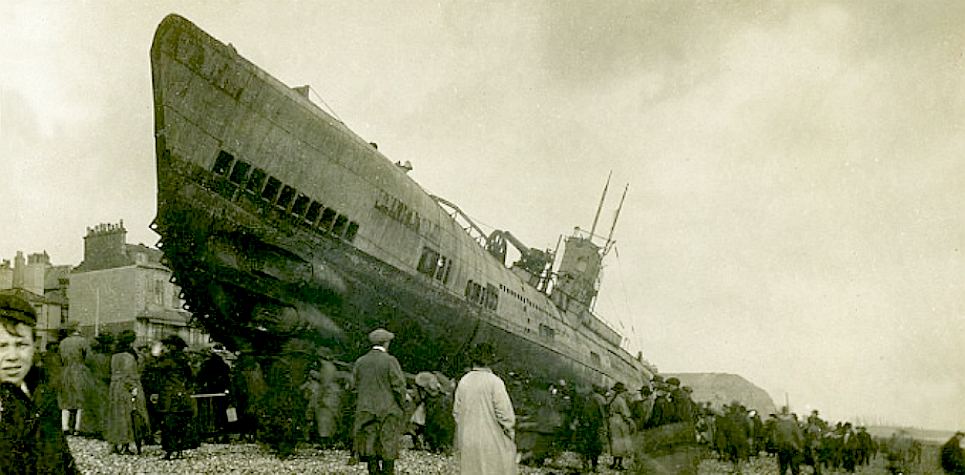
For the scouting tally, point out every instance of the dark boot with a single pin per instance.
(388, 467)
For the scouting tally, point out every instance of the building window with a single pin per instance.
(546, 331)
(223, 163)
(159, 292)
(595, 358)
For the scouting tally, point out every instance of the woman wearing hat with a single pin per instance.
(127, 418)
(620, 421)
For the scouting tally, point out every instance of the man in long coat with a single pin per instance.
(591, 435)
(380, 385)
(789, 441)
(485, 421)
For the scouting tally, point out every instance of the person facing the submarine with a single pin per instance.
(485, 419)
(380, 384)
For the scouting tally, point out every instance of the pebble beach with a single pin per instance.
(93, 458)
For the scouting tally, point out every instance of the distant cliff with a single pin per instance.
(723, 388)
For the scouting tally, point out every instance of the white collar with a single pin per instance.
(380, 348)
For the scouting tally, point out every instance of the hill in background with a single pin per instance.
(925, 435)
(724, 388)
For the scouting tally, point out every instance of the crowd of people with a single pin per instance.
(129, 394)
(737, 433)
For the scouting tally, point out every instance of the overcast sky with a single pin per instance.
(796, 169)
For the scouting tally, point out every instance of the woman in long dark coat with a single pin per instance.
(99, 362)
(174, 403)
(127, 418)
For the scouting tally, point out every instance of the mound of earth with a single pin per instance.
(724, 388)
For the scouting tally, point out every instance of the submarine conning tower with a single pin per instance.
(578, 274)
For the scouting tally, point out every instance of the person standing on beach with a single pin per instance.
(485, 421)
(380, 384)
(77, 381)
(952, 457)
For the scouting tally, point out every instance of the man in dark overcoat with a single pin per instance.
(789, 442)
(591, 435)
(951, 456)
(174, 402)
(380, 386)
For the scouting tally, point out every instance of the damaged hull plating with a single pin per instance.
(279, 223)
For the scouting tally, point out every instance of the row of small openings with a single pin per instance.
(285, 197)
(517, 296)
(512, 292)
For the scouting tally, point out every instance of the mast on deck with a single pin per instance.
(609, 240)
(579, 271)
(600, 206)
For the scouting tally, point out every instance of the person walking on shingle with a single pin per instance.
(380, 385)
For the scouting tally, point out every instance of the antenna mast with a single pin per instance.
(599, 208)
(609, 239)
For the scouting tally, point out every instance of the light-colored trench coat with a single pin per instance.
(485, 423)
(620, 425)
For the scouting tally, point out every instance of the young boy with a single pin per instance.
(30, 437)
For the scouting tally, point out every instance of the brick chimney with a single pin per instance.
(18, 267)
(104, 247)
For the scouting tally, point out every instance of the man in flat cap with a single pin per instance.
(380, 385)
(30, 437)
